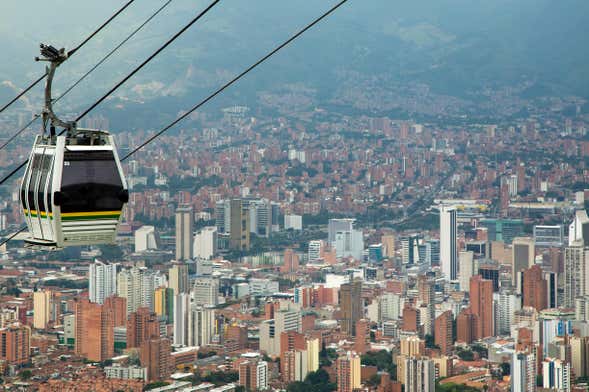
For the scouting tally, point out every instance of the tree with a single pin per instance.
(430, 342)
(25, 374)
(154, 385)
(505, 368)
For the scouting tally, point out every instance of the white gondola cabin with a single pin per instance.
(73, 190)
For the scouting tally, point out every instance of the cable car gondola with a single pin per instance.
(74, 189)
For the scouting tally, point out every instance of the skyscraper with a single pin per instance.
(102, 281)
(253, 374)
(347, 241)
(579, 229)
(523, 372)
(466, 259)
(556, 375)
(443, 332)
(155, 355)
(351, 305)
(205, 242)
(419, 375)
(164, 303)
(576, 273)
(146, 238)
(506, 304)
(94, 331)
(15, 344)
(142, 326)
(205, 291)
(348, 372)
(481, 303)
(201, 325)
(291, 261)
(184, 233)
(448, 238)
(523, 257)
(535, 288)
(178, 278)
(239, 232)
(182, 305)
(137, 286)
(42, 308)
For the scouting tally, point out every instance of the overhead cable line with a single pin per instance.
(90, 70)
(218, 91)
(120, 83)
(236, 78)
(70, 53)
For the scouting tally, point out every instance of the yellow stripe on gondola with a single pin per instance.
(36, 213)
(90, 213)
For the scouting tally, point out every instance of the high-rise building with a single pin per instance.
(284, 320)
(466, 260)
(142, 325)
(388, 241)
(294, 365)
(184, 233)
(410, 249)
(347, 241)
(182, 306)
(466, 326)
(313, 349)
(534, 288)
(412, 346)
(205, 291)
(293, 222)
(137, 286)
(448, 238)
(523, 257)
(411, 319)
(481, 303)
(42, 308)
(194, 325)
(556, 375)
(579, 229)
(523, 372)
(102, 281)
(201, 326)
(163, 301)
(239, 231)
(94, 331)
(549, 236)
(118, 307)
(348, 372)
(15, 344)
(253, 374)
(146, 238)
(178, 278)
(419, 375)
(506, 304)
(155, 355)
(291, 261)
(362, 339)
(580, 355)
(351, 305)
(443, 332)
(315, 250)
(205, 242)
(504, 230)
(576, 273)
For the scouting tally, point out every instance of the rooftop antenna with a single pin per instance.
(55, 57)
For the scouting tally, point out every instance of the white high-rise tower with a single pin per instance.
(102, 281)
(448, 253)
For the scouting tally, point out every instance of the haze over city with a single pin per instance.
(335, 196)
